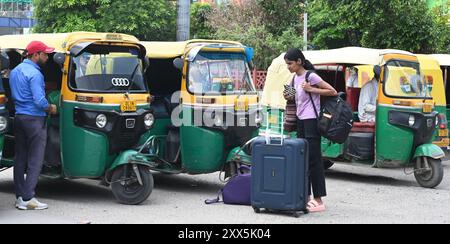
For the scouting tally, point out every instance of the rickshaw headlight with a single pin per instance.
(149, 120)
(101, 121)
(3, 124)
(412, 120)
(218, 121)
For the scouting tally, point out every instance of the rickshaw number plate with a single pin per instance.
(427, 108)
(128, 106)
(443, 133)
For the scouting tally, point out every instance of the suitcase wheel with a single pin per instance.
(257, 210)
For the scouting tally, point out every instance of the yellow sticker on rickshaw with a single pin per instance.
(273, 119)
(443, 133)
(241, 106)
(128, 106)
(427, 108)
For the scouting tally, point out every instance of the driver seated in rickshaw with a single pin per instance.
(198, 80)
(81, 63)
(368, 98)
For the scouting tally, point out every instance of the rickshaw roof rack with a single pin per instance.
(62, 41)
(167, 50)
(443, 59)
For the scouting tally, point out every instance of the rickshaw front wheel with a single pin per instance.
(126, 187)
(428, 172)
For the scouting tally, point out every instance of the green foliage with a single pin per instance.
(406, 25)
(199, 16)
(148, 20)
(280, 15)
(247, 23)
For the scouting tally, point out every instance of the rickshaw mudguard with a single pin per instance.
(429, 150)
(128, 157)
(238, 155)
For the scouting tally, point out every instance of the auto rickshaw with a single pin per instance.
(406, 115)
(103, 105)
(205, 105)
(4, 65)
(436, 85)
(444, 62)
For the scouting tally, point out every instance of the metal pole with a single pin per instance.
(183, 20)
(305, 31)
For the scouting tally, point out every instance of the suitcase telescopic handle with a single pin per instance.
(269, 137)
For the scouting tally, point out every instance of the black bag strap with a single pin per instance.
(308, 73)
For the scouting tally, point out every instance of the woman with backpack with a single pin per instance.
(308, 122)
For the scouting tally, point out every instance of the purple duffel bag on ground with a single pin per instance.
(236, 190)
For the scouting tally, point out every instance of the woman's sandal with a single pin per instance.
(313, 206)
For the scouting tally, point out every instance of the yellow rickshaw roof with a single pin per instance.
(62, 41)
(428, 62)
(443, 59)
(350, 55)
(165, 50)
(278, 74)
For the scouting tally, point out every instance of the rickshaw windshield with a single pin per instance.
(403, 79)
(219, 73)
(107, 70)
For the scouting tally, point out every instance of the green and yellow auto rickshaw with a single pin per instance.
(444, 62)
(406, 117)
(4, 65)
(433, 74)
(205, 105)
(97, 82)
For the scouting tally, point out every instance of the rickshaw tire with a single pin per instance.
(327, 164)
(139, 196)
(437, 172)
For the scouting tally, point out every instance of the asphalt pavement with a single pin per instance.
(355, 195)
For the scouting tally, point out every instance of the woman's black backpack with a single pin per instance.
(335, 118)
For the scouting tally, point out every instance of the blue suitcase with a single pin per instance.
(280, 175)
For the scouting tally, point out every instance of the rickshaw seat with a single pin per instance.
(363, 127)
(353, 97)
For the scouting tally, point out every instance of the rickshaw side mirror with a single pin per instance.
(4, 61)
(59, 58)
(146, 63)
(377, 71)
(178, 63)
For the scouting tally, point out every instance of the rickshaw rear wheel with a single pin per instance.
(126, 187)
(429, 178)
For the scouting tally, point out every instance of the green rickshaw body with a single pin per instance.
(88, 154)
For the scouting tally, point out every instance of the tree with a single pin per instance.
(148, 20)
(280, 15)
(246, 23)
(66, 15)
(199, 17)
(406, 25)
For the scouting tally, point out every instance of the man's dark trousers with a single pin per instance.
(30, 139)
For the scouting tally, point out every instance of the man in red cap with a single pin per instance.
(28, 92)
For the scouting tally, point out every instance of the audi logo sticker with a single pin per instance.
(120, 82)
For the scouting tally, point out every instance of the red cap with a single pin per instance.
(38, 46)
